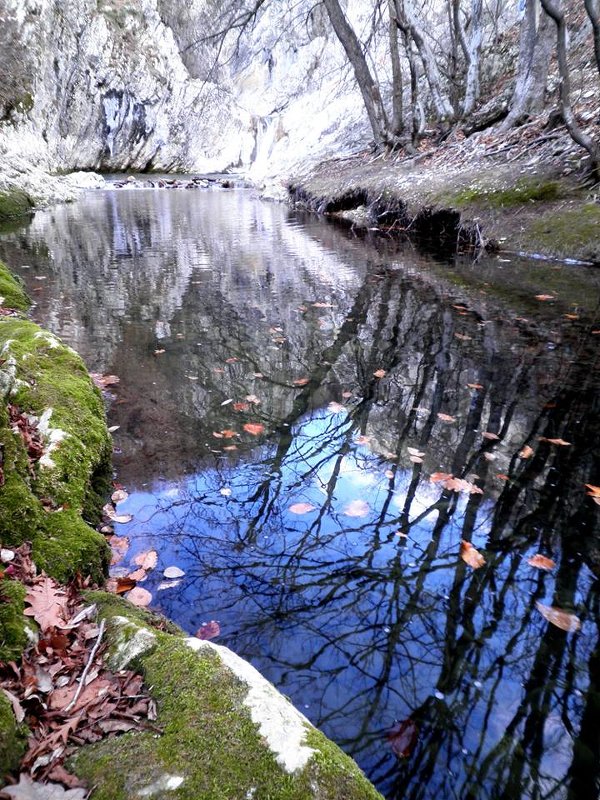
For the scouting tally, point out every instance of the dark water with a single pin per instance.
(360, 609)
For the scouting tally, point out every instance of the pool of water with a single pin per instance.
(295, 402)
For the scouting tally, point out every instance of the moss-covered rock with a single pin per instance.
(14, 203)
(13, 637)
(226, 733)
(12, 294)
(12, 737)
(50, 500)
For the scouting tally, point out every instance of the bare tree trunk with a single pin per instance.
(416, 107)
(474, 51)
(577, 134)
(366, 83)
(459, 31)
(397, 105)
(439, 97)
(593, 11)
(532, 69)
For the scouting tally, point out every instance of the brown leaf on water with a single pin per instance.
(335, 408)
(446, 417)
(490, 435)
(217, 435)
(543, 297)
(231, 360)
(48, 603)
(147, 559)
(255, 428)
(416, 459)
(322, 305)
(102, 381)
(301, 381)
(124, 584)
(119, 496)
(228, 433)
(463, 337)
(301, 508)
(346, 395)
(526, 452)
(437, 477)
(231, 447)
(139, 597)
(593, 491)
(159, 352)
(571, 316)
(470, 555)
(559, 442)
(415, 452)
(363, 439)
(379, 373)
(502, 477)
(252, 398)
(356, 508)
(474, 386)
(139, 574)
(389, 474)
(403, 737)
(241, 406)
(208, 630)
(565, 620)
(541, 562)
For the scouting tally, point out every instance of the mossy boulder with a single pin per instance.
(51, 500)
(14, 203)
(225, 732)
(12, 294)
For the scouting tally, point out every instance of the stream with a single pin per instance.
(310, 422)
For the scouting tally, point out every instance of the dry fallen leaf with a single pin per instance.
(27, 789)
(356, 508)
(48, 603)
(541, 562)
(255, 428)
(470, 555)
(147, 559)
(301, 508)
(139, 597)
(526, 452)
(564, 620)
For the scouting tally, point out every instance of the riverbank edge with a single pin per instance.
(225, 732)
(501, 207)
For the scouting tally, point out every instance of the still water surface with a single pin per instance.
(321, 545)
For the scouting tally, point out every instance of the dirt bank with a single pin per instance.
(523, 191)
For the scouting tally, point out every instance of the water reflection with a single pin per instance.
(321, 545)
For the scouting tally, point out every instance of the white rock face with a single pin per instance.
(131, 86)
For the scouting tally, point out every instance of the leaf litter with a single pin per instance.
(62, 687)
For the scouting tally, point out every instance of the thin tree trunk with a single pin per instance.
(397, 105)
(439, 97)
(459, 31)
(366, 83)
(577, 134)
(593, 11)
(532, 68)
(416, 107)
(474, 50)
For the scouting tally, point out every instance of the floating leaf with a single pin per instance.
(138, 575)
(463, 337)
(241, 406)
(217, 435)
(526, 452)
(102, 381)
(559, 442)
(113, 428)
(416, 459)
(389, 474)
(356, 508)
(403, 737)
(173, 572)
(119, 496)
(363, 440)
(231, 447)
(227, 402)
(593, 492)
(139, 597)
(436, 477)
(252, 398)
(346, 395)
(231, 360)
(208, 630)
(543, 297)
(446, 417)
(564, 620)
(159, 352)
(470, 555)
(490, 435)
(380, 373)
(414, 452)
(502, 477)
(167, 585)
(110, 512)
(322, 305)
(301, 381)
(225, 491)
(147, 559)
(228, 433)
(541, 562)
(121, 585)
(335, 408)
(474, 386)
(255, 428)
(301, 508)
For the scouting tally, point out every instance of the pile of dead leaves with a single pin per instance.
(62, 689)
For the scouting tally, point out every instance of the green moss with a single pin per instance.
(571, 232)
(12, 294)
(12, 623)
(12, 738)
(208, 738)
(524, 191)
(43, 374)
(14, 203)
